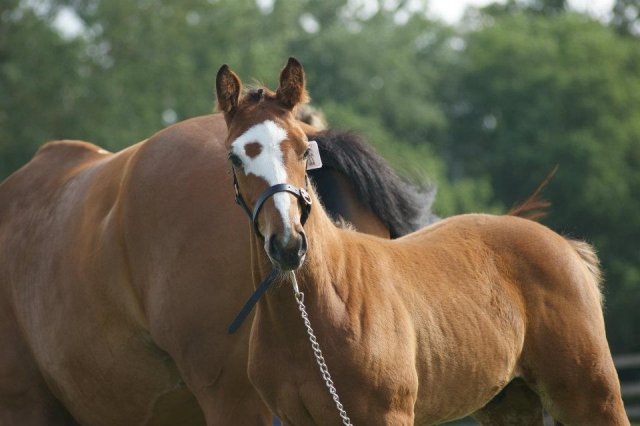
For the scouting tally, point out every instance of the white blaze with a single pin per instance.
(268, 164)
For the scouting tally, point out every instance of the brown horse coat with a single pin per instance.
(120, 274)
(106, 310)
(432, 326)
(423, 329)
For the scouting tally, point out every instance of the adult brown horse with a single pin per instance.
(423, 329)
(120, 273)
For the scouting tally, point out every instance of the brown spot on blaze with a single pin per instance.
(253, 149)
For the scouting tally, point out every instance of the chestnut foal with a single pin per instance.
(419, 330)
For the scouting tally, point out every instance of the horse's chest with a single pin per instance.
(370, 389)
(372, 365)
(472, 359)
(312, 403)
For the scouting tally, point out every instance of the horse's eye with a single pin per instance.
(306, 154)
(235, 160)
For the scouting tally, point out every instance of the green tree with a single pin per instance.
(142, 65)
(540, 7)
(535, 92)
(626, 17)
(485, 111)
(154, 63)
(547, 7)
(39, 81)
(379, 73)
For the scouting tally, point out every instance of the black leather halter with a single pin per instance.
(301, 194)
(304, 200)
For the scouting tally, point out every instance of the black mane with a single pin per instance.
(401, 207)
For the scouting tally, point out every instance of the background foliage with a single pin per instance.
(484, 109)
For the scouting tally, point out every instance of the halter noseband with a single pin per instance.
(301, 194)
(305, 206)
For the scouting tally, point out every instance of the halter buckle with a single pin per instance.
(305, 196)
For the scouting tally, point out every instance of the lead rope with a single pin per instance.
(315, 346)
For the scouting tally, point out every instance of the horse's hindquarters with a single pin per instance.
(565, 357)
(70, 290)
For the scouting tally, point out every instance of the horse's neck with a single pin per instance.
(326, 277)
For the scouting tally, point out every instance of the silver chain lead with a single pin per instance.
(324, 370)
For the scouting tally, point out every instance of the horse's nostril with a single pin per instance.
(287, 256)
(273, 245)
(302, 250)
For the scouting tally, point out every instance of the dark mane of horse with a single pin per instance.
(402, 207)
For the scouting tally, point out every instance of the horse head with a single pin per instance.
(268, 151)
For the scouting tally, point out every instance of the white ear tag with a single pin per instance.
(313, 160)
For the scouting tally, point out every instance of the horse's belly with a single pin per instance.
(466, 364)
(453, 402)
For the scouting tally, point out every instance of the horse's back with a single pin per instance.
(529, 249)
(529, 256)
(39, 176)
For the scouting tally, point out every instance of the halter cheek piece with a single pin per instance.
(301, 194)
(304, 200)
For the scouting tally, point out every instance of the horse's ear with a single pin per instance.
(292, 91)
(228, 89)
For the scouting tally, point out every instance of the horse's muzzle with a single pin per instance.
(289, 256)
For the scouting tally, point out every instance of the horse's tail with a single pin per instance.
(534, 207)
(590, 260)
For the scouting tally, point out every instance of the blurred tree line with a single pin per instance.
(484, 109)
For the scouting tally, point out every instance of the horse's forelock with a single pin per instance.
(257, 93)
